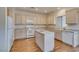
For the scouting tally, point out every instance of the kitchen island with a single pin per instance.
(45, 40)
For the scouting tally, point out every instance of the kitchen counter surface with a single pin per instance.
(43, 31)
(71, 30)
(58, 30)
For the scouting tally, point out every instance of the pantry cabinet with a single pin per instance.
(20, 33)
(72, 16)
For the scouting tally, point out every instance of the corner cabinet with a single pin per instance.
(72, 16)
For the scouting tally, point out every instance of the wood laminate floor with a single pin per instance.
(25, 45)
(29, 45)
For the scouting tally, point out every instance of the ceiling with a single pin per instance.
(43, 10)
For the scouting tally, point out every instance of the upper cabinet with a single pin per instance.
(39, 19)
(36, 18)
(72, 16)
(42, 19)
(23, 17)
(50, 19)
(18, 19)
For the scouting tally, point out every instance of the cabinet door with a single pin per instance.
(39, 40)
(37, 19)
(72, 17)
(23, 19)
(20, 33)
(50, 19)
(68, 37)
(43, 19)
(18, 19)
(59, 22)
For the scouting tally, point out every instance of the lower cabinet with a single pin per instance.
(45, 40)
(70, 37)
(20, 33)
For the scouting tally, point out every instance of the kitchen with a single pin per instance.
(37, 29)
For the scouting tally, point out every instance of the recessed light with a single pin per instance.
(36, 9)
(45, 11)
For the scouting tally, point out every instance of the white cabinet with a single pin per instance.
(50, 19)
(68, 37)
(45, 40)
(29, 22)
(39, 40)
(40, 19)
(72, 16)
(18, 19)
(71, 38)
(43, 19)
(24, 27)
(24, 19)
(20, 33)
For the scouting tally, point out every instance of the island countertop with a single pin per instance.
(42, 31)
